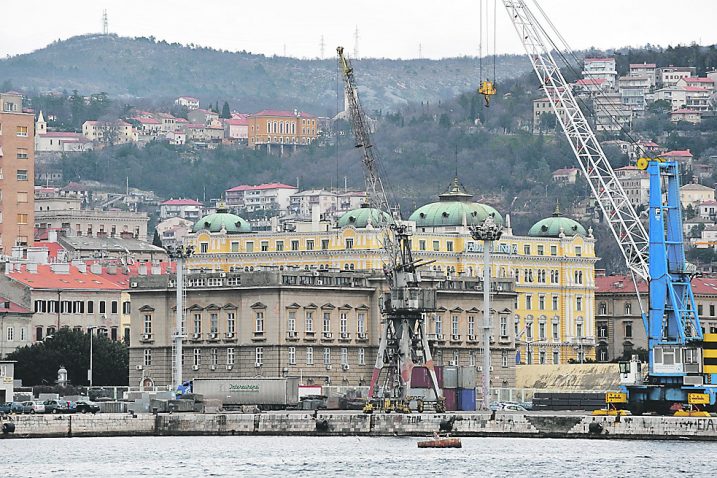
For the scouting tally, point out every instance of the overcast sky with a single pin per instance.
(387, 28)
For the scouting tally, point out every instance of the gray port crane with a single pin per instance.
(403, 343)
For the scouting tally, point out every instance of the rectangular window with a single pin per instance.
(579, 304)
(21, 197)
(421, 245)
(147, 357)
(471, 325)
(540, 250)
(22, 175)
(504, 359)
(504, 326)
(327, 356)
(90, 307)
(292, 355)
(22, 153)
(344, 324)
(436, 245)
(529, 330)
(204, 247)
(197, 357)
(556, 331)
(259, 356)
(628, 330)
(361, 324)
(349, 243)
(231, 323)
(526, 249)
(344, 356)
(556, 357)
(250, 247)
(579, 330)
(294, 245)
(148, 324)
(327, 322)
(235, 246)
(449, 246)
(214, 357)
(712, 310)
(541, 331)
(324, 244)
(555, 302)
(21, 131)
(541, 357)
(259, 322)
(126, 307)
(553, 250)
(309, 321)
(309, 355)
(541, 302)
(362, 356)
(578, 251)
(103, 307)
(439, 324)
(38, 334)
(309, 244)
(22, 218)
(197, 324)
(291, 321)
(10, 334)
(264, 246)
(528, 301)
(213, 323)
(454, 325)
(230, 356)
(114, 307)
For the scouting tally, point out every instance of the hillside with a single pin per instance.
(143, 67)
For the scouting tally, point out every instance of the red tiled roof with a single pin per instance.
(283, 114)
(708, 203)
(181, 120)
(698, 79)
(14, 308)
(53, 248)
(694, 88)
(245, 187)
(683, 111)
(650, 144)
(147, 120)
(590, 81)
(237, 121)
(181, 202)
(621, 284)
(678, 153)
(45, 278)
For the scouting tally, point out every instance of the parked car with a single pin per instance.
(18, 408)
(513, 407)
(35, 407)
(56, 406)
(87, 407)
(5, 408)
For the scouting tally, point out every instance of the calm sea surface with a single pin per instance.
(190, 457)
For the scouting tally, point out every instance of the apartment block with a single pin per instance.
(17, 173)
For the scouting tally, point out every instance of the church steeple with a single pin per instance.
(40, 124)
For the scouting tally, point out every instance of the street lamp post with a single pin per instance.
(180, 253)
(91, 331)
(488, 232)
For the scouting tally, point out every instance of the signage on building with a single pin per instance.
(501, 248)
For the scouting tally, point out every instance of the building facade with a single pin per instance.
(323, 327)
(17, 174)
(553, 265)
(269, 128)
(260, 197)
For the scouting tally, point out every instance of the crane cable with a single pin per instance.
(487, 86)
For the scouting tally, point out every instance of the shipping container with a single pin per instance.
(420, 378)
(425, 394)
(467, 399)
(439, 375)
(467, 377)
(450, 377)
(451, 397)
(268, 392)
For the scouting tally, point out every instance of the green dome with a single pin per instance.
(232, 223)
(451, 208)
(359, 218)
(552, 226)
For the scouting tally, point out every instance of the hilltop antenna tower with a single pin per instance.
(105, 23)
(420, 51)
(322, 45)
(356, 43)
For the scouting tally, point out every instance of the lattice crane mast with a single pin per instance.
(677, 372)
(404, 342)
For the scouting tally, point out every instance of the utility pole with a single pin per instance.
(179, 253)
(488, 232)
(322, 45)
(356, 43)
(420, 51)
(105, 23)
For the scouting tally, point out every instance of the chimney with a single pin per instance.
(112, 269)
(96, 268)
(52, 235)
(60, 267)
(81, 266)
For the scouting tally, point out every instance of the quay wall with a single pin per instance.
(357, 424)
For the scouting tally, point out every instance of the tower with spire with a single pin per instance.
(40, 124)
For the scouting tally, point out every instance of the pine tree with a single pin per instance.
(156, 241)
(226, 112)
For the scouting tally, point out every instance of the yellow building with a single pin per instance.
(278, 128)
(553, 266)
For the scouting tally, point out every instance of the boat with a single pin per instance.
(441, 442)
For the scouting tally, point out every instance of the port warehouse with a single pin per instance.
(319, 326)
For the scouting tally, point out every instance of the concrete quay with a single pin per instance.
(341, 423)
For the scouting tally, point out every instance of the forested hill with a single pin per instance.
(144, 67)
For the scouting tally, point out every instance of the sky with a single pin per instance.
(386, 28)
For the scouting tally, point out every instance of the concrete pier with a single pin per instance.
(341, 423)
